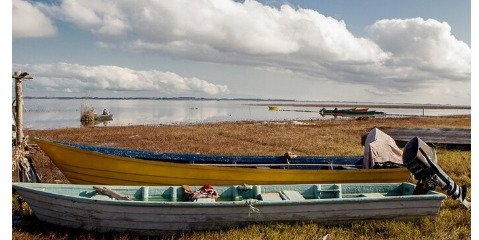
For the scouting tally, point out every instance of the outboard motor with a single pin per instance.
(421, 161)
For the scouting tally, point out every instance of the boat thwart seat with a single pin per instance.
(282, 195)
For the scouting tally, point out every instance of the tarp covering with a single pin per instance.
(380, 148)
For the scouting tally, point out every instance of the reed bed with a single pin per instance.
(321, 137)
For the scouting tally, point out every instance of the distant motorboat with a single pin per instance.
(103, 117)
(349, 111)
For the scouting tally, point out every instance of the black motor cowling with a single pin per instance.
(421, 161)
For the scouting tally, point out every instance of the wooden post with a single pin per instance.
(19, 111)
(18, 151)
(19, 76)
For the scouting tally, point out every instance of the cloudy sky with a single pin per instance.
(329, 50)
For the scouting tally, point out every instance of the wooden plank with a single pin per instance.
(274, 196)
(450, 138)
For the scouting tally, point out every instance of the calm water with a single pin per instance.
(62, 113)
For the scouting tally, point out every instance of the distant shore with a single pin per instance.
(280, 102)
(367, 105)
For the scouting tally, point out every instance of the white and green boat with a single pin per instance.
(149, 209)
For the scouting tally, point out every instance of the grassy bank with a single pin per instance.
(324, 137)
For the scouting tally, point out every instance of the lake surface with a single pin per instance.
(64, 113)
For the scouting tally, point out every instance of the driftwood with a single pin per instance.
(110, 193)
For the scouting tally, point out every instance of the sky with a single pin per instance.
(325, 50)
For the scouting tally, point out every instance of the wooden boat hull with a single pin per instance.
(163, 209)
(87, 167)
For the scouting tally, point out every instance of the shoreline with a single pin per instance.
(182, 136)
(283, 121)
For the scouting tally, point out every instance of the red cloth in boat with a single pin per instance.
(206, 191)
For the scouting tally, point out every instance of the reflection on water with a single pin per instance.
(95, 123)
(62, 113)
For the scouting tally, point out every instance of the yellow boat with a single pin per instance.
(89, 167)
(274, 108)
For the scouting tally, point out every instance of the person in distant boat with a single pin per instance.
(106, 112)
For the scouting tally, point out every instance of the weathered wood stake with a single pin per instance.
(18, 151)
(19, 76)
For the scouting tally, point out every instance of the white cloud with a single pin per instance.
(77, 78)
(102, 18)
(401, 54)
(247, 29)
(424, 45)
(29, 22)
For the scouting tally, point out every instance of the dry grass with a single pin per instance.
(323, 137)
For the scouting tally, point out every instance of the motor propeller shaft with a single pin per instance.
(421, 161)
